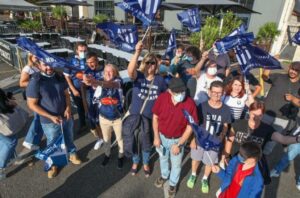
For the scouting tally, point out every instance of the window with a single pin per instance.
(104, 7)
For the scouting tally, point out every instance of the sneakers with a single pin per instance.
(52, 172)
(2, 174)
(171, 191)
(298, 186)
(74, 159)
(204, 186)
(159, 182)
(120, 163)
(105, 161)
(98, 144)
(274, 173)
(25, 153)
(191, 181)
(30, 146)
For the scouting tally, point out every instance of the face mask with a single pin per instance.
(82, 55)
(188, 58)
(48, 76)
(163, 68)
(179, 97)
(241, 159)
(211, 71)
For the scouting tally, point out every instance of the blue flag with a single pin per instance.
(238, 31)
(203, 138)
(250, 57)
(171, 44)
(191, 19)
(229, 42)
(145, 10)
(296, 38)
(124, 37)
(54, 154)
(44, 56)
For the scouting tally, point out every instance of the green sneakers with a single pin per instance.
(191, 181)
(204, 186)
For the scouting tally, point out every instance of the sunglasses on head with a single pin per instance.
(150, 63)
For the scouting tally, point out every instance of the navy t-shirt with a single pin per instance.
(79, 63)
(140, 92)
(96, 74)
(111, 105)
(50, 92)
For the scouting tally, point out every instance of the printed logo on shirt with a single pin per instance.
(241, 137)
(213, 123)
(153, 95)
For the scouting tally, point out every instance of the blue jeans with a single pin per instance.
(7, 148)
(293, 151)
(35, 132)
(146, 157)
(52, 131)
(165, 155)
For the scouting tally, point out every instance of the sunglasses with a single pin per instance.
(150, 63)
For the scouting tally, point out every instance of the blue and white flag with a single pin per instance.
(203, 138)
(229, 42)
(191, 19)
(296, 38)
(145, 10)
(123, 36)
(238, 31)
(44, 56)
(250, 57)
(171, 45)
(55, 154)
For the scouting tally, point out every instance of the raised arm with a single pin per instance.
(200, 64)
(133, 64)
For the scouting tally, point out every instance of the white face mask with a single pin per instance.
(212, 71)
(178, 54)
(179, 97)
(82, 55)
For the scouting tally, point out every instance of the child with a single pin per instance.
(242, 177)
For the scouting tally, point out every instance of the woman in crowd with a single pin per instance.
(110, 100)
(7, 143)
(35, 131)
(147, 85)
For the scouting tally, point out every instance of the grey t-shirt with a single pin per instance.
(213, 119)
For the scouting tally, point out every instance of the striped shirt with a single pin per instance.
(236, 105)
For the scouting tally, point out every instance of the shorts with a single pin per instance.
(207, 157)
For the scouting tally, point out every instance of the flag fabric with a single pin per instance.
(191, 19)
(44, 56)
(124, 37)
(296, 38)
(229, 42)
(204, 139)
(55, 154)
(145, 10)
(238, 31)
(250, 57)
(171, 45)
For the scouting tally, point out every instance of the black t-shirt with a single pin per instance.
(213, 119)
(275, 99)
(261, 135)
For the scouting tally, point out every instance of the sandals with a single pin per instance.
(147, 172)
(134, 171)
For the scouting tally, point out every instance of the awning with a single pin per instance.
(17, 5)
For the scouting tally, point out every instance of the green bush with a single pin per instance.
(31, 25)
(59, 12)
(267, 32)
(210, 30)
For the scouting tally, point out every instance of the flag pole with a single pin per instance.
(283, 48)
(65, 148)
(209, 157)
(148, 28)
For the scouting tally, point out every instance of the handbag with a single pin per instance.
(12, 123)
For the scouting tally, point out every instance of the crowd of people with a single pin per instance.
(220, 99)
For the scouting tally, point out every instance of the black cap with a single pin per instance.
(177, 85)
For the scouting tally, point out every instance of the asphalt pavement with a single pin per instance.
(91, 180)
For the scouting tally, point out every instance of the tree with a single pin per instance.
(266, 35)
(100, 18)
(59, 12)
(211, 30)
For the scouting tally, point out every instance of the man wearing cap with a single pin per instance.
(171, 131)
(280, 111)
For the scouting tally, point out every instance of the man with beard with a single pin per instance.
(280, 112)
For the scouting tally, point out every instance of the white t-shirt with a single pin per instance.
(203, 84)
(30, 70)
(236, 105)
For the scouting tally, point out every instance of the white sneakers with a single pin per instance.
(298, 186)
(98, 144)
(274, 173)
